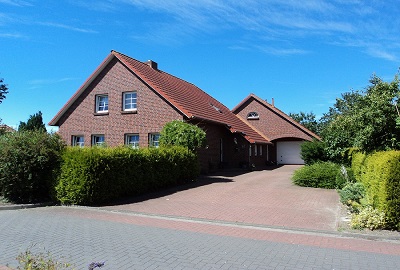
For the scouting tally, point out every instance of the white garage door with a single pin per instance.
(289, 152)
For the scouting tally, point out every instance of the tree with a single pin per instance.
(35, 122)
(3, 90)
(307, 120)
(366, 120)
(184, 134)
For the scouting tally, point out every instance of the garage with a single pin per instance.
(288, 152)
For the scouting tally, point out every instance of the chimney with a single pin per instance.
(272, 102)
(152, 64)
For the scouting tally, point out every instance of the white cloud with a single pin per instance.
(68, 27)
(19, 3)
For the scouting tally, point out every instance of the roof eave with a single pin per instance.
(92, 77)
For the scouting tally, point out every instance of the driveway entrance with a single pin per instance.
(265, 197)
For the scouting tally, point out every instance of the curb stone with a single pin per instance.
(24, 206)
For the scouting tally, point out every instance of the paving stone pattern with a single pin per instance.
(67, 234)
(257, 220)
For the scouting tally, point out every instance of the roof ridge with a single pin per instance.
(169, 74)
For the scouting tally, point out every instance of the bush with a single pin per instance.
(95, 175)
(29, 163)
(352, 192)
(369, 218)
(380, 174)
(318, 175)
(40, 261)
(180, 133)
(312, 152)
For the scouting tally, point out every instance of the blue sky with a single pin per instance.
(304, 54)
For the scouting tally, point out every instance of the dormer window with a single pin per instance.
(216, 108)
(252, 115)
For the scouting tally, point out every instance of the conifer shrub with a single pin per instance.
(318, 175)
(96, 175)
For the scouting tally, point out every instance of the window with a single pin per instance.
(130, 101)
(255, 150)
(250, 150)
(252, 115)
(98, 140)
(101, 103)
(154, 140)
(78, 141)
(132, 140)
(261, 150)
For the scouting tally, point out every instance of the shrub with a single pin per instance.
(380, 174)
(40, 261)
(182, 134)
(313, 151)
(318, 175)
(95, 175)
(352, 192)
(369, 218)
(29, 163)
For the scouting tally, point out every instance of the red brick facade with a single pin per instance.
(273, 123)
(151, 115)
(160, 98)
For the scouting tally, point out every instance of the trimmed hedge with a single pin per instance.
(380, 174)
(318, 175)
(96, 175)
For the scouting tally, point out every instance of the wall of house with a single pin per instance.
(151, 115)
(235, 150)
(271, 124)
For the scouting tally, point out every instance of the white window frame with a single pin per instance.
(253, 116)
(133, 144)
(98, 140)
(78, 140)
(101, 105)
(153, 142)
(132, 101)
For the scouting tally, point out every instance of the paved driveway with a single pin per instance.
(261, 197)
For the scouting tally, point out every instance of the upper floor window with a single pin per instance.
(132, 140)
(101, 103)
(130, 101)
(98, 140)
(78, 141)
(252, 115)
(154, 140)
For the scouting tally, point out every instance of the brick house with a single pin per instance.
(279, 128)
(127, 102)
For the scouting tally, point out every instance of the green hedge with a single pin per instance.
(380, 174)
(96, 175)
(318, 175)
(29, 164)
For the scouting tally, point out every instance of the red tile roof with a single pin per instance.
(190, 100)
(278, 112)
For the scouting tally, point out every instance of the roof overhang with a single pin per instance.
(92, 77)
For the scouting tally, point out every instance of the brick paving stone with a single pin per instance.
(215, 229)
